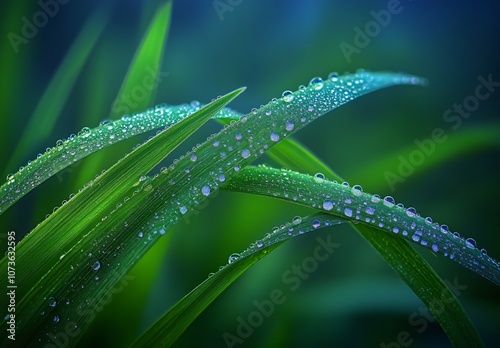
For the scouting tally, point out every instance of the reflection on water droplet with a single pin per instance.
(96, 265)
(316, 223)
(297, 220)
(470, 243)
(327, 204)
(348, 212)
(222, 177)
(289, 125)
(205, 190)
(319, 177)
(389, 201)
(52, 302)
(245, 153)
(234, 257)
(287, 96)
(141, 234)
(316, 83)
(357, 190)
(183, 210)
(193, 157)
(275, 136)
(238, 136)
(259, 243)
(370, 210)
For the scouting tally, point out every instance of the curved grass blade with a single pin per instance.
(49, 108)
(173, 323)
(126, 233)
(143, 75)
(66, 228)
(352, 203)
(410, 266)
(89, 141)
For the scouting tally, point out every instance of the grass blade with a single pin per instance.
(173, 323)
(48, 110)
(65, 230)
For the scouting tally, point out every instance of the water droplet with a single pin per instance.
(259, 243)
(395, 229)
(444, 228)
(275, 136)
(319, 177)
(205, 190)
(216, 143)
(162, 231)
(193, 157)
(52, 302)
(327, 204)
(96, 265)
(237, 168)
(245, 153)
(370, 210)
(316, 223)
(183, 210)
(222, 177)
(238, 136)
(316, 83)
(411, 212)
(375, 198)
(389, 201)
(233, 258)
(357, 190)
(289, 125)
(435, 247)
(348, 212)
(428, 220)
(297, 220)
(141, 234)
(287, 96)
(470, 243)
(56, 319)
(333, 76)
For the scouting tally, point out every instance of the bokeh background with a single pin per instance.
(354, 298)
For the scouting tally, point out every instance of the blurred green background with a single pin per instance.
(354, 298)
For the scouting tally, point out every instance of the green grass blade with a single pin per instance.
(145, 67)
(127, 232)
(173, 323)
(48, 110)
(88, 141)
(352, 203)
(67, 228)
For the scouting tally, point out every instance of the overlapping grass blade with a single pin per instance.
(127, 232)
(173, 323)
(410, 266)
(48, 245)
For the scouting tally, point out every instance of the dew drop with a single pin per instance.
(216, 143)
(316, 223)
(411, 212)
(470, 243)
(327, 204)
(435, 247)
(375, 198)
(205, 190)
(370, 210)
(238, 136)
(183, 210)
(245, 153)
(389, 201)
(141, 234)
(162, 231)
(348, 212)
(444, 228)
(275, 136)
(357, 190)
(52, 302)
(287, 96)
(56, 319)
(428, 220)
(319, 177)
(297, 220)
(289, 125)
(316, 83)
(233, 258)
(222, 177)
(193, 157)
(259, 243)
(96, 265)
